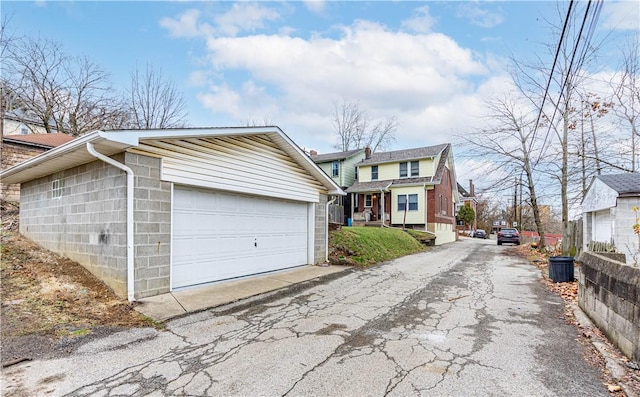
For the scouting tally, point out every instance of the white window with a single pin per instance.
(368, 201)
(402, 202)
(57, 187)
(415, 168)
(413, 202)
(374, 173)
(403, 170)
(412, 166)
(335, 168)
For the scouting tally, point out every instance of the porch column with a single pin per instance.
(352, 204)
(382, 206)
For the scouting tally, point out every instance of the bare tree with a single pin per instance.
(63, 93)
(626, 93)
(355, 129)
(266, 121)
(572, 49)
(382, 134)
(155, 102)
(5, 90)
(510, 147)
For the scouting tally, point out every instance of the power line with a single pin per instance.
(555, 61)
(570, 71)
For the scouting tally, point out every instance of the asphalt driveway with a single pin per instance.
(464, 319)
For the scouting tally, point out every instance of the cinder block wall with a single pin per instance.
(626, 240)
(87, 223)
(152, 215)
(609, 293)
(320, 230)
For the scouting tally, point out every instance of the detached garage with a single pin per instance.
(151, 211)
(609, 213)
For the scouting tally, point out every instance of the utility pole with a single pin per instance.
(520, 209)
(515, 203)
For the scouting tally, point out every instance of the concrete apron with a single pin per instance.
(174, 304)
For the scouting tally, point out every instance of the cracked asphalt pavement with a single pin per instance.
(464, 319)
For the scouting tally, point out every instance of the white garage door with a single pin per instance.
(602, 226)
(218, 236)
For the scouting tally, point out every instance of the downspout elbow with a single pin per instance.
(130, 240)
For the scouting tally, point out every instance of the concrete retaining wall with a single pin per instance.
(609, 293)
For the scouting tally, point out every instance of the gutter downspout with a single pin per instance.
(130, 183)
(326, 235)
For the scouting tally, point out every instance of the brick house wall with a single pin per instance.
(444, 189)
(10, 155)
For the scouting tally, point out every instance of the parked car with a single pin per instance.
(480, 234)
(508, 235)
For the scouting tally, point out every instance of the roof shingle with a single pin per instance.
(47, 140)
(624, 184)
(322, 158)
(406, 154)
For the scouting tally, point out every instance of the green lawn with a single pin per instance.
(370, 245)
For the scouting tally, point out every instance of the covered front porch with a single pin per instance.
(371, 208)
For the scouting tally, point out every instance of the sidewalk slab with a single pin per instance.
(173, 304)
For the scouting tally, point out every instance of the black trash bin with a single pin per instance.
(561, 268)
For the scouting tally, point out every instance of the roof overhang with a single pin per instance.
(75, 153)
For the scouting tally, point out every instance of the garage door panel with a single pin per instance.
(217, 236)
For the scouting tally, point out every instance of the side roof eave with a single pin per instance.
(74, 153)
(68, 155)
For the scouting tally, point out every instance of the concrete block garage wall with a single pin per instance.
(152, 218)
(84, 219)
(609, 293)
(320, 230)
(82, 216)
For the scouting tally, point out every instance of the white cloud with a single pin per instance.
(426, 80)
(242, 17)
(621, 15)
(187, 25)
(315, 6)
(245, 17)
(479, 16)
(421, 22)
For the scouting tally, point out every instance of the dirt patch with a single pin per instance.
(50, 304)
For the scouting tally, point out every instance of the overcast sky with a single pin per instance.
(430, 64)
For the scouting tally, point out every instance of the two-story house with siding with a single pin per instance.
(341, 167)
(414, 188)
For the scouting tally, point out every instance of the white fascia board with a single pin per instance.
(310, 165)
(134, 136)
(9, 175)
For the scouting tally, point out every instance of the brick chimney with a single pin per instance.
(313, 153)
(367, 152)
(472, 189)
